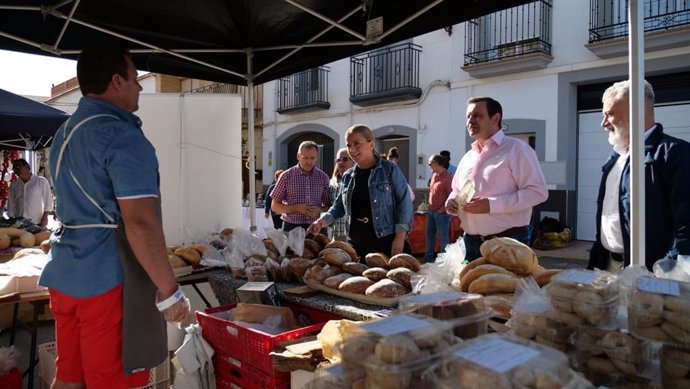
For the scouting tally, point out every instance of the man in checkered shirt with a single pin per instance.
(303, 191)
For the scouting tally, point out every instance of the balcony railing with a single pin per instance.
(609, 18)
(383, 75)
(306, 90)
(514, 32)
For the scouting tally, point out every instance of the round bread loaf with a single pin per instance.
(191, 256)
(377, 260)
(386, 288)
(354, 268)
(510, 254)
(493, 283)
(355, 284)
(375, 273)
(176, 261)
(401, 275)
(312, 245)
(334, 282)
(298, 267)
(322, 240)
(404, 260)
(335, 256)
(336, 244)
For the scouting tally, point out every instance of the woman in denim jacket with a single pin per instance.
(375, 199)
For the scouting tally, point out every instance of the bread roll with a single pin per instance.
(355, 284)
(511, 254)
(334, 256)
(471, 265)
(404, 260)
(200, 248)
(322, 240)
(480, 271)
(176, 261)
(5, 241)
(493, 283)
(377, 260)
(334, 282)
(354, 268)
(312, 245)
(401, 275)
(336, 244)
(298, 266)
(191, 256)
(386, 289)
(375, 273)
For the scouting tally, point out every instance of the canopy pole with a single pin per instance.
(250, 140)
(637, 120)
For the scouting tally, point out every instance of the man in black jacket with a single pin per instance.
(667, 188)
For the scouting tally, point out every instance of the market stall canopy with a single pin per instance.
(212, 39)
(27, 124)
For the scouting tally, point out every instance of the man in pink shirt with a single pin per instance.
(497, 182)
(437, 220)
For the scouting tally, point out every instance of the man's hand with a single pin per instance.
(316, 227)
(178, 312)
(451, 206)
(398, 244)
(310, 210)
(477, 205)
(266, 215)
(44, 220)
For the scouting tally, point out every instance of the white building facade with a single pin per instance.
(546, 62)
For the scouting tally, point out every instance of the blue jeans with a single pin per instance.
(472, 245)
(436, 222)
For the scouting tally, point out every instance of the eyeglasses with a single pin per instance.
(343, 159)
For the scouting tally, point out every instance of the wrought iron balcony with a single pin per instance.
(509, 34)
(303, 91)
(609, 18)
(385, 75)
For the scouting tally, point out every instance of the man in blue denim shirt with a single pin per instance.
(375, 199)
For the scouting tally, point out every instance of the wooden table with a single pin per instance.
(38, 301)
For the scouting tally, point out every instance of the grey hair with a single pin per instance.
(621, 89)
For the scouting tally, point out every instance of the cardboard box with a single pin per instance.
(259, 293)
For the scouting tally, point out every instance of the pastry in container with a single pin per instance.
(675, 367)
(394, 352)
(541, 328)
(584, 297)
(466, 312)
(606, 355)
(659, 309)
(505, 362)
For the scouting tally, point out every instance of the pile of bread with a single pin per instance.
(503, 262)
(188, 255)
(584, 297)
(609, 352)
(661, 317)
(17, 237)
(337, 267)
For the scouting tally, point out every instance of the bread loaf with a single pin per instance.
(375, 273)
(312, 245)
(334, 256)
(377, 260)
(176, 261)
(480, 271)
(298, 266)
(334, 282)
(470, 266)
(511, 254)
(355, 284)
(401, 275)
(5, 241)
(191, 256)
(386, 289)
(493, 283)
(336, 244)
(354, 268)
(322, 240)
(404, 260)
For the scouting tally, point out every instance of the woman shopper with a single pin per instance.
(342, 163)
(374, 199)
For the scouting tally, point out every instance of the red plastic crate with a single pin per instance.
(249, 346)
(11, 380)
(245, 376)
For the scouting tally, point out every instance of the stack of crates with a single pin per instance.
(241, 357)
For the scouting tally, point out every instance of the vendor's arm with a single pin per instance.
(145, 236)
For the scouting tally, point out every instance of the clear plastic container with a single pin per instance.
(675, 367)
(584, 297)
(328, 377)
(541, 328)
(395, 351)
(503, 362)
(466, 312)
(659, 309)
(612, 353)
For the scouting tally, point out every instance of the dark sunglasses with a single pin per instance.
(343, 159)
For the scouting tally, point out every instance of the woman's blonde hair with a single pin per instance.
(365, 131)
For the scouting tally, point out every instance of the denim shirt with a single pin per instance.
(391, 205)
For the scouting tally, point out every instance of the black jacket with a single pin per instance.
(667, 201)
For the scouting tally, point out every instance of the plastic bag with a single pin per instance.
(212, 257)
(678, 270)
(296, 240)
(279, 240)
(8, 359)
(247, 243)
(448, 264)
(529, 297)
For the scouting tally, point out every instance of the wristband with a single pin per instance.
(170, 301)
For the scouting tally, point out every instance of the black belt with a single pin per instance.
(507, 233)
(616, 256)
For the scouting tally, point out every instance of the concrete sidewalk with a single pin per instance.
(573, 256)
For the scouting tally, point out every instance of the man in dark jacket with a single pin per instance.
(667, 188)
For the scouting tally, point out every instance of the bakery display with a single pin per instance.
(659, 309)
(583, 297)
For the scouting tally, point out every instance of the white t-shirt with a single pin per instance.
(30, 199)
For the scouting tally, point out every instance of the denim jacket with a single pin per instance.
(391, 205)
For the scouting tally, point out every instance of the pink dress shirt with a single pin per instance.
(509, 175)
